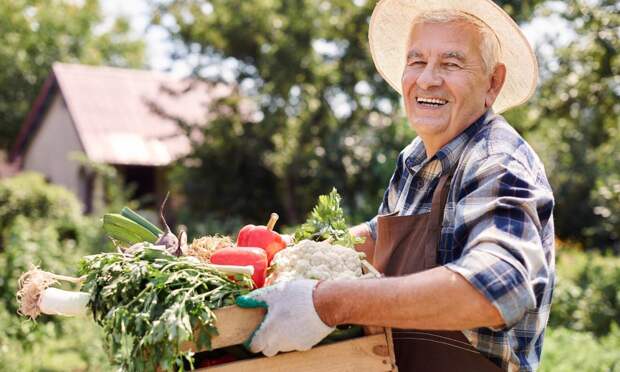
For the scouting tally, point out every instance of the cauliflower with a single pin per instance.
(315, 260)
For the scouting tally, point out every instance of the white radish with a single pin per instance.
(54, 301)
(35, 295)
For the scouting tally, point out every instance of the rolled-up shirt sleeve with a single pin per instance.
(372, 227)
(501, 210)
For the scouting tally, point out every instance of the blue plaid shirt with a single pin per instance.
(497, 229)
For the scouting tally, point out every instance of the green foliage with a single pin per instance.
(210, 225)
(587, 294)
(33, 242)
(520, 10)
(567, 350)
(289, 139)
(327, 222)
(314, 115)
(584, 332)
(36, 33)
(29, 196)
(78, 347)
(574, 124)
(150, 304)
(40, 224)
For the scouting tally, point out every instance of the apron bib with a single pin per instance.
(407, 245)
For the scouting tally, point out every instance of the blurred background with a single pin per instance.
(245, 107)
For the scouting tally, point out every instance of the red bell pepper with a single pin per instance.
(263, 237)
(244, 256)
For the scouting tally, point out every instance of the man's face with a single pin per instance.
(444, 83)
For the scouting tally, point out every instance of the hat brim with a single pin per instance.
(392, 20)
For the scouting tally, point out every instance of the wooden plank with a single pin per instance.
(234, 325)
(364, 354)
(390, 345)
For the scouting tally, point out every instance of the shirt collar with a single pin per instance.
(450, 153)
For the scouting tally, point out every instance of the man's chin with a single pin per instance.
(427, 126)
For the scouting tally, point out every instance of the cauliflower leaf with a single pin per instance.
(327, 223)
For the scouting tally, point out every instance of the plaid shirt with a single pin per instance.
(497, 229)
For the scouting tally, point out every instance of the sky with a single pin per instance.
(158, 48)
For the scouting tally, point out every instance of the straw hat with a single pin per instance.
(392, 20)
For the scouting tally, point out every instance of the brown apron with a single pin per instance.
(407, 245)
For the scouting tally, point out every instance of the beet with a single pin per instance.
(167, 239)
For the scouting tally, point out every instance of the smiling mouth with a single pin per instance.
(431, 102)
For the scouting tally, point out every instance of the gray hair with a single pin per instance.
(489, 47)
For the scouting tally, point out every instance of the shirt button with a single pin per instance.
(419, 184)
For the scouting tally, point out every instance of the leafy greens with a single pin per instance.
(327, 222)
(151, 303)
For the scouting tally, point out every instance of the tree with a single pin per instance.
(520, 10)
(574, 124)
(36, 33)
(323, 115)
(322, 112)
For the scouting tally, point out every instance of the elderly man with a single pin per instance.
(464, 235)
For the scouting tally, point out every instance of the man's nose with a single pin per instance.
(429, 77)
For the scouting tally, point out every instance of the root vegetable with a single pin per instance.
(167, 239)
(56, 301)
(35, 296)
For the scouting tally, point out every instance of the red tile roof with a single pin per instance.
(112, 109)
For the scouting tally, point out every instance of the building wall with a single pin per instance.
(50, 149)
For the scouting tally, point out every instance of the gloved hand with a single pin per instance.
(291, 322)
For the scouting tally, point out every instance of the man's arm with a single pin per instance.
(506, 270)
(437, 299)
(491, 284)
(368, 247)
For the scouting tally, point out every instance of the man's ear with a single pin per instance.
(497, 82)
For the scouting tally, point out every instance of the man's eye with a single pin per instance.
(417, 63)
(451, 65)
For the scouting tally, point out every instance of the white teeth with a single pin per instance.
(435, 101)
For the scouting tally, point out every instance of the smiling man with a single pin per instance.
(446, 83)
(465, 232)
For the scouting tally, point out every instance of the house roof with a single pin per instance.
(117, 112)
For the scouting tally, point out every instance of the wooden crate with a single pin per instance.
(371, 353)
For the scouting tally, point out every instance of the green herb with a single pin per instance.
(151, 303)
(327, 222)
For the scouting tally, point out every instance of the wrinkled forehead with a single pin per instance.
(452, 39)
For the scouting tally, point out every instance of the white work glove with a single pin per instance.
(291, 322)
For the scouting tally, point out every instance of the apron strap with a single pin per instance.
(433, 235)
